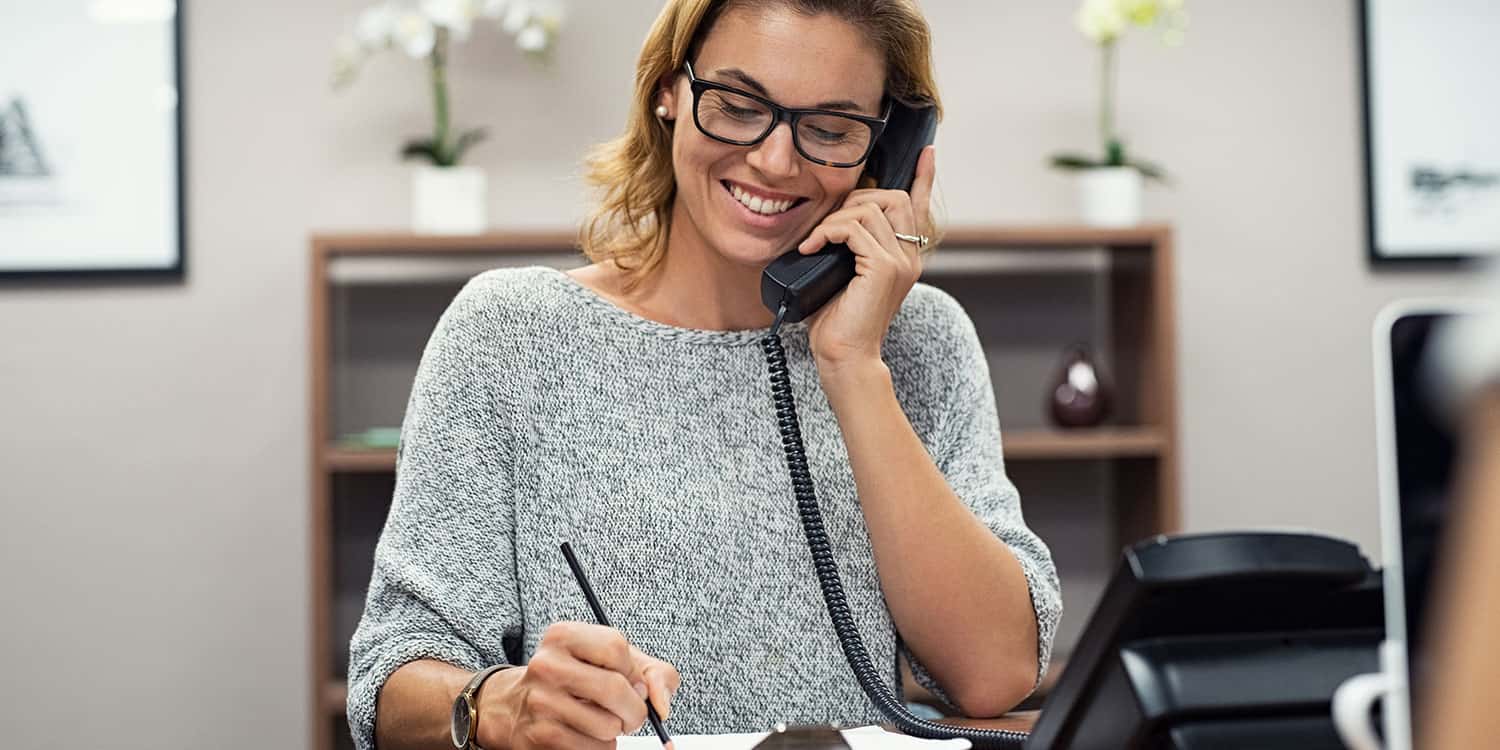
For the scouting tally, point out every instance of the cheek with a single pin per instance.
(692, 156)
(837, 183)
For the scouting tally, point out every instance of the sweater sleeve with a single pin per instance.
(968, 453)
(444, 582)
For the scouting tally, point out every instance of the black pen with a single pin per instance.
(588, 593)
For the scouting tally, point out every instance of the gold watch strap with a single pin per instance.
(471, 690)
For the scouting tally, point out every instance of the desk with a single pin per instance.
(1015, 721)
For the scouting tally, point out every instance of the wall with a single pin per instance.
(153, 527)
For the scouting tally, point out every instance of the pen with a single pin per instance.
(588, 593)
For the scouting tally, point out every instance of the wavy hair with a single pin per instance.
(633, 172)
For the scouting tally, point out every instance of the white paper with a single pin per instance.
(859, 738)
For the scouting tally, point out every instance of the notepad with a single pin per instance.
(859, 738)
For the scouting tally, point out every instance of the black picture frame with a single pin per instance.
(168, 273)
(1379, 257)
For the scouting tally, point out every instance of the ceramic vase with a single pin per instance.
(448, 200)
(1079, 395)
(1109, 196)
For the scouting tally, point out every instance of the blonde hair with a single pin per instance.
(633, 172)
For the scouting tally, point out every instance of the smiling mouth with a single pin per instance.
(762, 206)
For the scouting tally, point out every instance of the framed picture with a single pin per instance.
(1431, 119)
(91, 139)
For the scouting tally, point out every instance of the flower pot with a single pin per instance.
(448, 200)
(1109, 196)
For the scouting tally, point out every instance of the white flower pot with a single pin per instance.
(1109, 196)
(448, 200)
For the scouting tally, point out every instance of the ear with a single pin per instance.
(666, 96)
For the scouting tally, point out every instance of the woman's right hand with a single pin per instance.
(582, 688)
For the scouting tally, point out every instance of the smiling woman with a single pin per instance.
(844, 56)
(624, 407)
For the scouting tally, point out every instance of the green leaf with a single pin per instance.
(1114, 153)
(1075, 161)
(422, 147)
(1151, 171)
(467, 140)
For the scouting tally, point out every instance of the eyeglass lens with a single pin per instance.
(825, 137)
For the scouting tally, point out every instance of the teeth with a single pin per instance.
(756, 204)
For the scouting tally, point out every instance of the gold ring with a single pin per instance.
(920, 240)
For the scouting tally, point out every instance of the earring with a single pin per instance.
(661, 111)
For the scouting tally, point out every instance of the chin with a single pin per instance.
(751, 251)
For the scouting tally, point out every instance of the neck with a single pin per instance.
(695, 287)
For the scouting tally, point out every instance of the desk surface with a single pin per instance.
(1016, 721)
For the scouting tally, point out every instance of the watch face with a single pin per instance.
(460, 722)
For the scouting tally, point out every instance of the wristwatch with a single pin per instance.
(466, 711)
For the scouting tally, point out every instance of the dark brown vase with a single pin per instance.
(1079, 395)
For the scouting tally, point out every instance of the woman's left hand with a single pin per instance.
(849, 329)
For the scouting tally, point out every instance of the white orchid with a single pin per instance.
(493, 9)
(1141, 12)
(347, 55)
(373, 29)
(1101, 20)
(457, 16)
(517, 14)
(423, 29)
(532, 39)
(415, 34)
(533, 23)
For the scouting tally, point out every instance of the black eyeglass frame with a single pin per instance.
(789, 115)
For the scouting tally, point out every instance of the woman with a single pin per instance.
(624, 407)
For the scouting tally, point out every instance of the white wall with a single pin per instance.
(153, 482)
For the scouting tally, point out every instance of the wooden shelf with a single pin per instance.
(334, 696)
(1126, 275)
(406, 258)
(563, 240)
(359, 461)
(1020, 445)
(1055, 235)
(1106, 442)
(380, 243)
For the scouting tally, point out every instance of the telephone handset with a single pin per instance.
(803, 283)
(795, 286)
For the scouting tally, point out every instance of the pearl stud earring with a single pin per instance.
(661, 111)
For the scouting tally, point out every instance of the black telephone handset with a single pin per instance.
(793, 287)
(804, 283)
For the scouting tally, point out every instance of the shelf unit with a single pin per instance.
(1030, 290)
(1024, 445)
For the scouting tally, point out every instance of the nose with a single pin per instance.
(776, 156)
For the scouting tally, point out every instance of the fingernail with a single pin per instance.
(640, 688)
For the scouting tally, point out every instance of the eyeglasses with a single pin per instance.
(822, 136)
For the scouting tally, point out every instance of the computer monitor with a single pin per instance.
(1416, 450)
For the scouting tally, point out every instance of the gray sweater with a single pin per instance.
(542, 413)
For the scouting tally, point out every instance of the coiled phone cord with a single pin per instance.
(828, 572)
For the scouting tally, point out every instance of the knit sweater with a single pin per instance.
(543, 413)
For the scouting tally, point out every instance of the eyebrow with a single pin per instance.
(749, 80)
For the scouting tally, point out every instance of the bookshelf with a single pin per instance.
(1031, 291)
